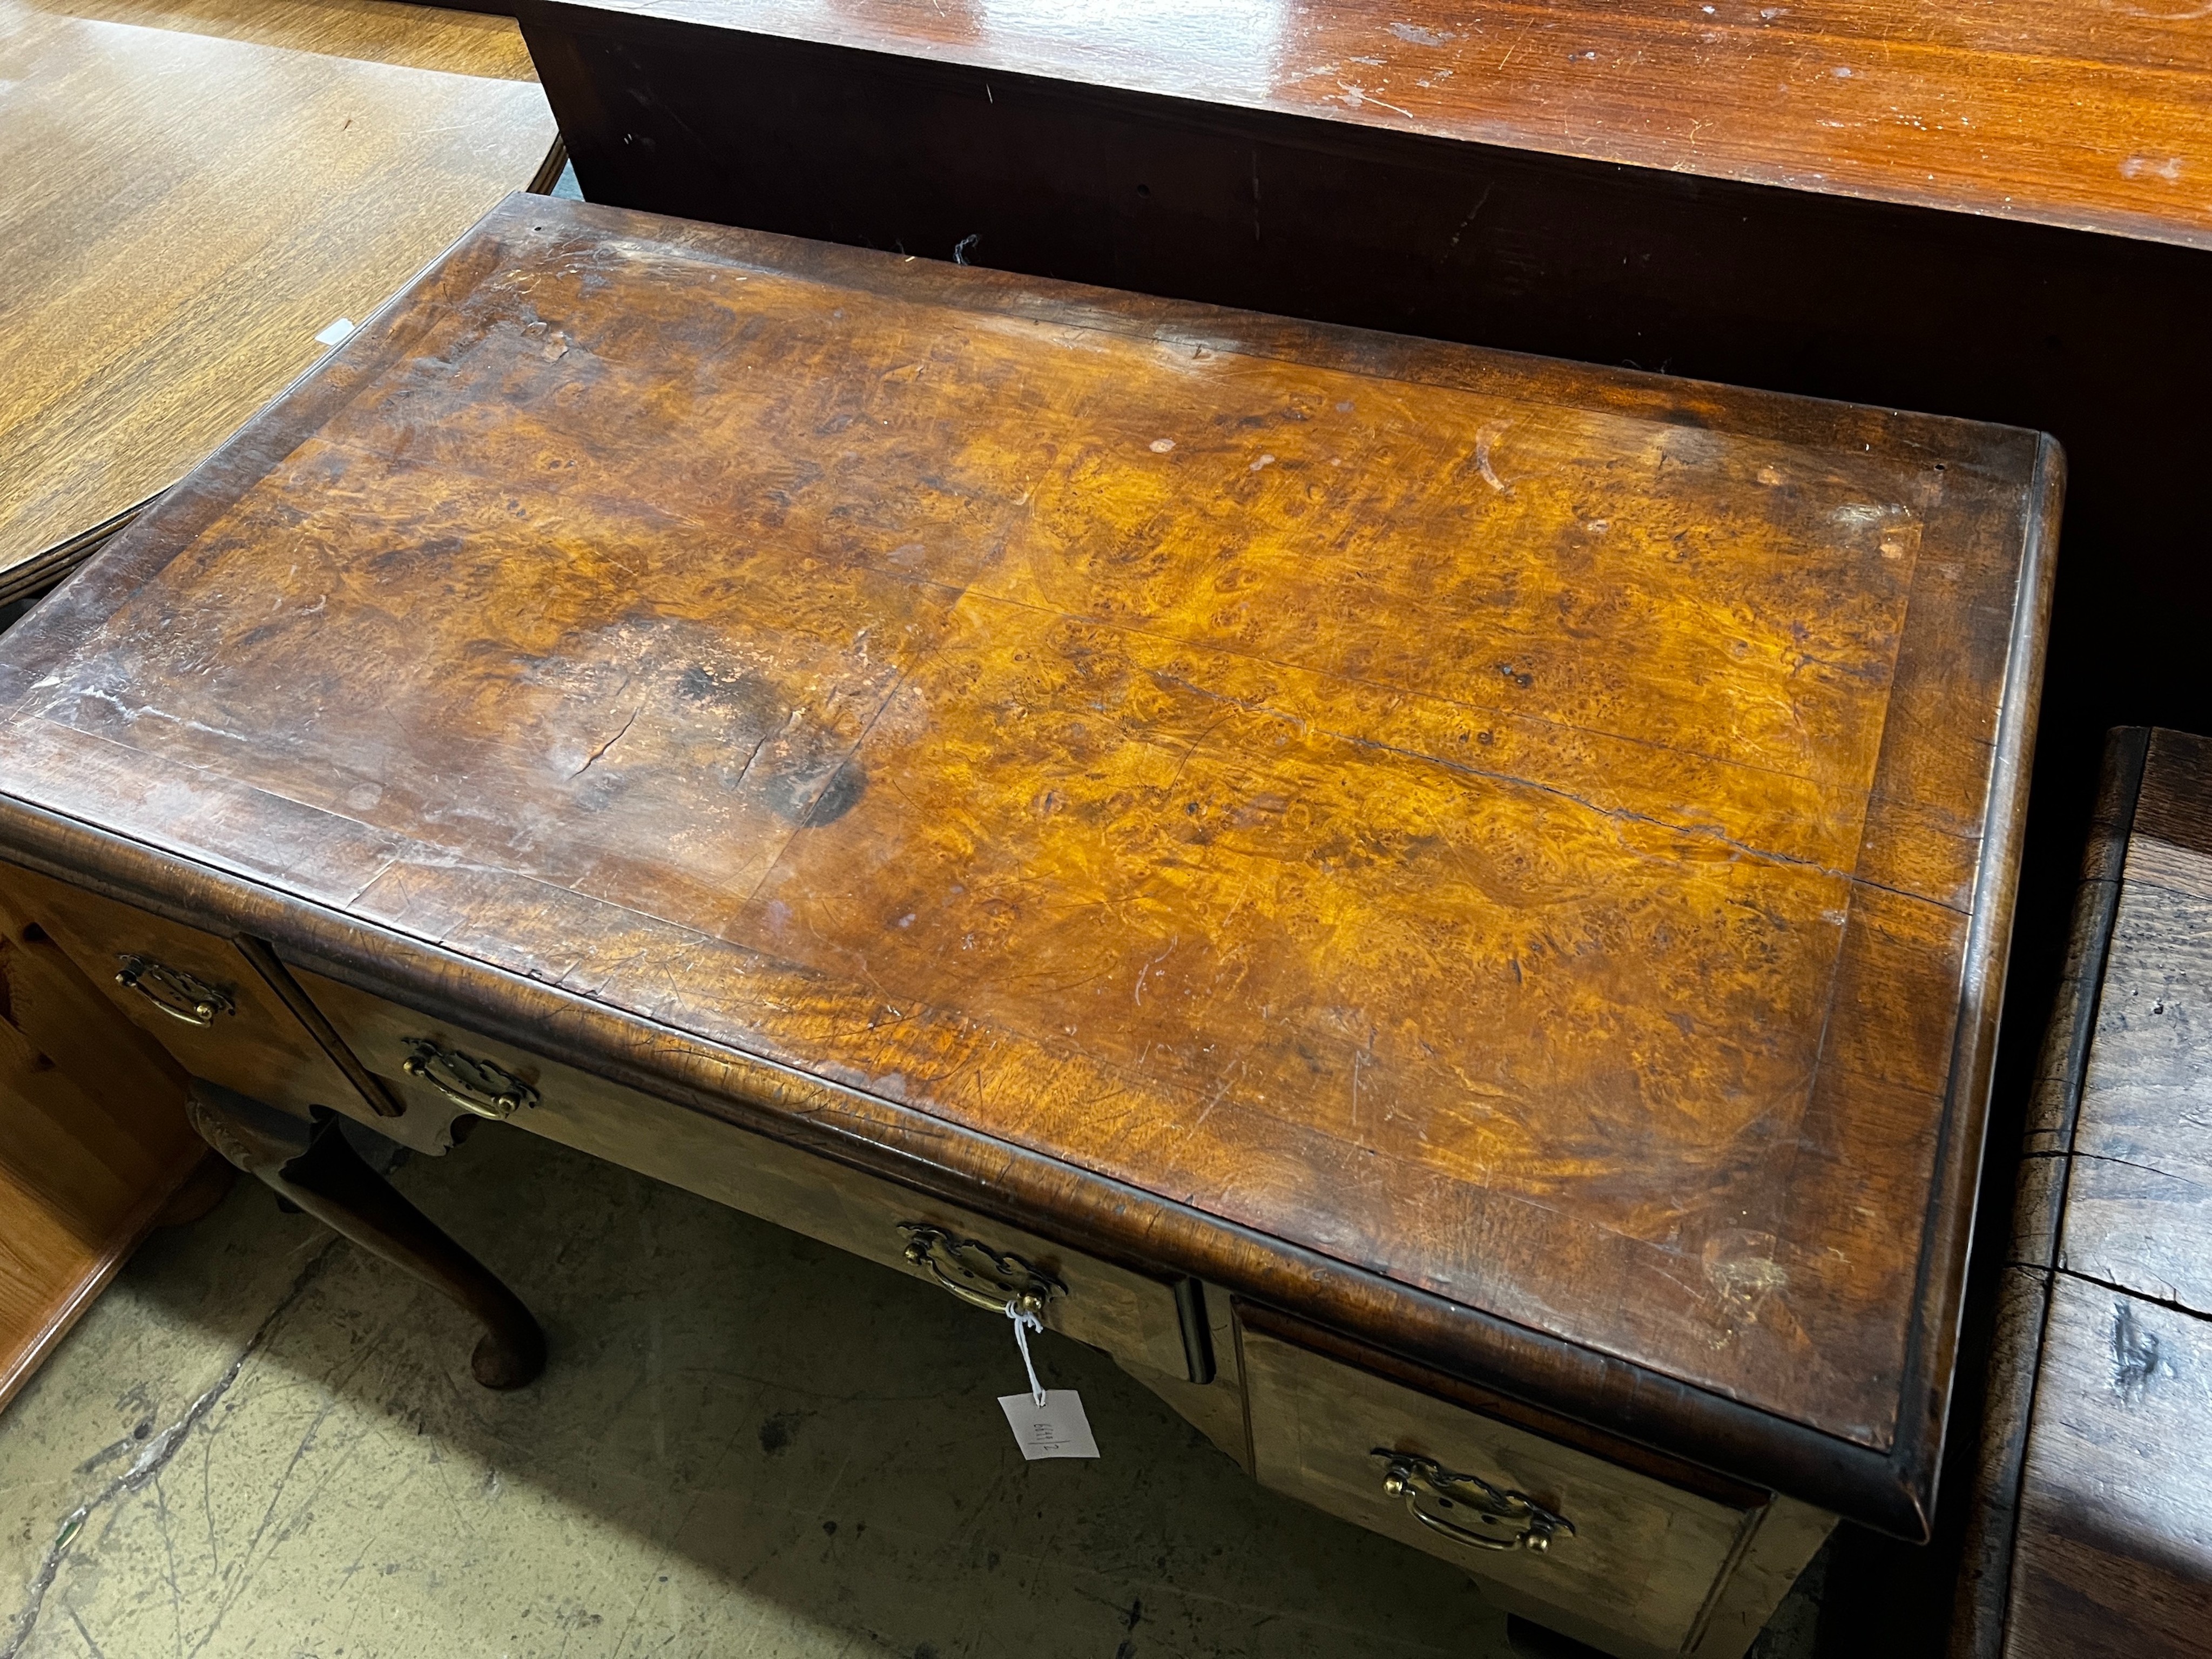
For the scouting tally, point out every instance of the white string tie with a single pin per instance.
(1024, 1324)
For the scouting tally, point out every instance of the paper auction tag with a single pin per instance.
(1053, 1426)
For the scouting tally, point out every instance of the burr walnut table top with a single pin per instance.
(1507, 859)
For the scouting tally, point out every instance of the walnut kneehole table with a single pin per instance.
(1445, 907)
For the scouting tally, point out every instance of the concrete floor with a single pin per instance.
(262, 1442)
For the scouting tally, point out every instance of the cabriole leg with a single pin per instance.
(310, 1164)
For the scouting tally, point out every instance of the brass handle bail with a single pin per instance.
(473, 1085)
(182, 996)
(979, 1275)
(1455, 1505)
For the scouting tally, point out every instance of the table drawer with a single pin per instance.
(196, 993)
(431, 1061)
(1633, 1563)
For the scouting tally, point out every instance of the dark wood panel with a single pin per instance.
(2139, 1191)
(2022, 1293)
(2089, 119)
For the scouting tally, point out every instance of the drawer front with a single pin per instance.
(194, 993)
(1127, 1314)
(1634, 1577)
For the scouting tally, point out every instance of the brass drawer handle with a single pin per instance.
(977, 1273)
(474, 1085)
(180, 995)
(1420, 1480)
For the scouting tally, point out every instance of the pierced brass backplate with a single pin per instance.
(977, 1273)
(181, 996)
(474, 1085)
(1467, 1508)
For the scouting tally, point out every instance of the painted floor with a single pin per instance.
(262, 1442)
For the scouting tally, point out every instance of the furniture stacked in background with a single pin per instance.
(1448, 910)
(194, 192)
(2093, 1526)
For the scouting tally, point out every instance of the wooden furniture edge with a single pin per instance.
(1985, 1590)
(1352, 121)
(1299, 1333)
(1024, 1189)
(44, 570)
(557, 155)
(1939, 1300)
(24, 1363)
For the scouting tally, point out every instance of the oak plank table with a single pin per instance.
(194, 192)
(1449, 909)
(2094, 1529)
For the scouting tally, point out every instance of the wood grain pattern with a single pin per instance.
(93, 1141)
(372, 31)
(2085, 117)
(2045, 1164)
(2093, 1535)
(2115, 1550)
(198, 190)
(1128, 1315)
(1418, 807)
(257, 1047)
(1643, 1561)
(2139, 1191)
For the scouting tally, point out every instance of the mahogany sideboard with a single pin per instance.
(1448, 910)
(2091, 1531)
